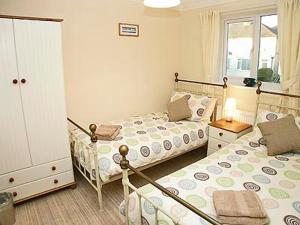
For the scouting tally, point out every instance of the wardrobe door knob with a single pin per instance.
(11, 180)
(55, 181)
(23, 81)
(14, 194)
(53, 168)
(15, 81)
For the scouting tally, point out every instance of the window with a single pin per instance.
(251, 48)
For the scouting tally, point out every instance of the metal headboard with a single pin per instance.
(287, 103)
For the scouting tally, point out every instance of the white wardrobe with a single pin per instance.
(34, 148)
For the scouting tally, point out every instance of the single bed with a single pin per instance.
(185, 196)
(238, 166)
(151, 138)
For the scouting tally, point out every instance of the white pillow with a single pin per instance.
(197, 104)
(210, 109)
(264, 116)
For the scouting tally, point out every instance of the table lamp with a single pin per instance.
(229, 110)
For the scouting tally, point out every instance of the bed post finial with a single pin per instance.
(258, 91)
(176, 77)
(124, 151)
(225, 79)
(93, 128)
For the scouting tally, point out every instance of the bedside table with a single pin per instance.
(222, 133)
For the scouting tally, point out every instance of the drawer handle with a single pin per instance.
(219, 146)
(15, 194)
(11, 180)
(53, 168)
(55, 181)
(220, 134)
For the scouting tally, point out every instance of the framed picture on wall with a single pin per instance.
(129, 30)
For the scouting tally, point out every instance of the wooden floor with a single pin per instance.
(80, 206)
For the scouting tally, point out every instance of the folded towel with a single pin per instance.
(107, 130)
(236, 207)
(109, 138)
(243, 220)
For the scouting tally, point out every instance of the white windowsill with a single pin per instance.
(266, 86)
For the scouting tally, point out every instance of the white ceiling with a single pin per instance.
(193, 4)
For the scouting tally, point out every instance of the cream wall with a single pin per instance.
(107, 76)
(190, 42)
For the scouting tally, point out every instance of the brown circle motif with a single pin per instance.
(200, 111)
(145, 151)
(117, 158)
(251, 186)
(200, 133)
(269, 170)
(172, 190)
(271, 116)
(224, 164)
(201, 176)
(186, 138)
(291, 220)
(167, 145)
(241, 152)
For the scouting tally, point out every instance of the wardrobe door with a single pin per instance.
(39, 54)
(14, 153)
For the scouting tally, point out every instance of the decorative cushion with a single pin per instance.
(281, 135)
(197, 104)
(179, 109)
(264, 116)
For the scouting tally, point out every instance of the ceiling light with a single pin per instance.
(161, 3)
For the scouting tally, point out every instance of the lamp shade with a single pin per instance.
(230, 107)
(161, 3)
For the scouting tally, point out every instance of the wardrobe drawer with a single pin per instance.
(216, 144)
(38, 187)
(222, 135)
(34, 173)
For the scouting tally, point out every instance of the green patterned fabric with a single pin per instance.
(239, 166)
(150, 138)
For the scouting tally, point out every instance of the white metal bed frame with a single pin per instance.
(208, 89)
(126, 167)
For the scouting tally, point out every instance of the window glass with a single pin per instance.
(268, 58)
(239, 48)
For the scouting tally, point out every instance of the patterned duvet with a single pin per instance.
(150, 138)
(241, 165)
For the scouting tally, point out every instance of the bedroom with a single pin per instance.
(109, 77)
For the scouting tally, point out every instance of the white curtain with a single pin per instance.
(289, 44)
(209, 45)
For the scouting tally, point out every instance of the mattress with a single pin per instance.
(150, 138)
(241, 165)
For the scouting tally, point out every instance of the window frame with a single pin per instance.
(255, 17)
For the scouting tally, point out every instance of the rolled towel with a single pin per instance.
(107, 130)
(239, 207)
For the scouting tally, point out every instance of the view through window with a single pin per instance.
(251, 48)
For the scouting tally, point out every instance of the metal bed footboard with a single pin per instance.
(124, 164)
(90, 155)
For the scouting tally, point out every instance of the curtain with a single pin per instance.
(289, 45)
(209, 45)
